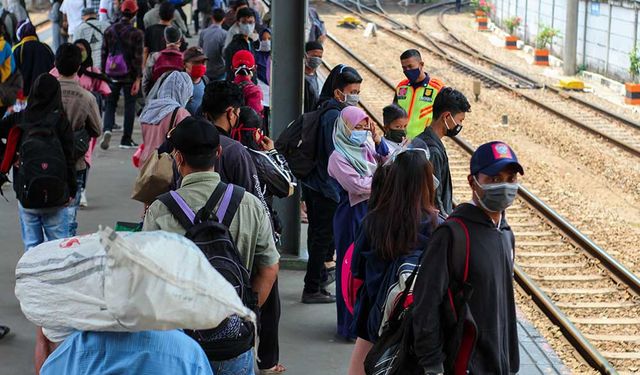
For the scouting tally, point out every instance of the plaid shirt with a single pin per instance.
(131, 40)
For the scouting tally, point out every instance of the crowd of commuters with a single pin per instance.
(207, 106)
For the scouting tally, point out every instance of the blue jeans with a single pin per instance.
(40, 224)
(129, 108)
(240, 365)
(72, 209)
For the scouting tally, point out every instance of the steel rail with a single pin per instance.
(440, 52)
(590, 354)
(476, 53)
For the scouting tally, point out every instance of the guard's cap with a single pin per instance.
(493, 157)
(195, 136)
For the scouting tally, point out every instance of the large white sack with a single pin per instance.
(110, 281)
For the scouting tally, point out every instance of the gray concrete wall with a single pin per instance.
(611, 30)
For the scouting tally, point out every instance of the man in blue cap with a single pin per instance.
(464, 311)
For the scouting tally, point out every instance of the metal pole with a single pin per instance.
(606, 63)
(584, 37)
(553, 20)
(526, 15)
(539, 18)
(287, 104)
(571, 38)
(635, 26)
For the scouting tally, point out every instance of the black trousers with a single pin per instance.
(269, 347)
(320, 245)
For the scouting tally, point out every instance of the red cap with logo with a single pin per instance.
(129, 6)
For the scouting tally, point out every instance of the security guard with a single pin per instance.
(417, 93)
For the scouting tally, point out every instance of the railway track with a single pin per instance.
(583, 290)
(619, 130)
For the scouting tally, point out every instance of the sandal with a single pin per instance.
(277, 369)
(4, 330)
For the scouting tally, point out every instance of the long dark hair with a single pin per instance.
(88, 63)
(402, 194)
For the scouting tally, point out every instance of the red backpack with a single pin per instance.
(168, 60)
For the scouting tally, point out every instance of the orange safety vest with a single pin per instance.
(418, 102)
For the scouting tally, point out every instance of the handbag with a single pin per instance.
(154, 178)
(393, 353)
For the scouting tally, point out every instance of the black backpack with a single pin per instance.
(42, 171)
(298, 143)
(394, 353)
(211, 234)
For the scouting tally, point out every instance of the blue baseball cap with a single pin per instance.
(493, 157)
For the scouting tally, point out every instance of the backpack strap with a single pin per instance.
(172, 122)
(94, 27)
(229, 204)
(205, 212)
(460, 251)
(178, 208)
(399, 307)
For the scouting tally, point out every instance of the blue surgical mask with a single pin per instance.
(246, 28)
(412, 74)
(358, 137)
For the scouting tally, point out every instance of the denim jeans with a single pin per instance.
(72, 209)
(129, 108)
(240, 365)
(42, 224)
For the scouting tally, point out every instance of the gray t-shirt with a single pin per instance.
(212, 42)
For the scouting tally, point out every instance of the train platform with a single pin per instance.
(307, 342)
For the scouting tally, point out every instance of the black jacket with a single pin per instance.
(32, 59)
(492, 302)
(429, 140)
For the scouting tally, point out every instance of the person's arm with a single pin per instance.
(104, 51)
(350, 180)
(136, 60)
(148, 71)
(149, 223)
(65, 133)
(266, 258)
(93, 121)
(437, 161)
(429, 292)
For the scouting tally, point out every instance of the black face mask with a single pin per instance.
(452, 132)
(396, 135)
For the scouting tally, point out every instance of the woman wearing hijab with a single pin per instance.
(32, 56)
(352, 164)
(45, 109)
(321, 195)
(163, 113)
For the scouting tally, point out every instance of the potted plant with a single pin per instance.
(632, 89)
(511, 40)
(544, 38)
(483, 10)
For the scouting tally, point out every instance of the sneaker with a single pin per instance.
(106, 138)
(318, 297)
(83, 199)
(126, 144)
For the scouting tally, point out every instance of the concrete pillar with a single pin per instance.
(571, 38)
(287, 83)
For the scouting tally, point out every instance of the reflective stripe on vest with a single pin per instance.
(418, 103)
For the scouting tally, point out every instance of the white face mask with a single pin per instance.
(265, 46)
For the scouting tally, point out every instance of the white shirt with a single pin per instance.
(73, 10)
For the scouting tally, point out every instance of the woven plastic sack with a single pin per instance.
(110, 281)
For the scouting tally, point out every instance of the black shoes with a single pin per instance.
(128, 143)
(322, 296)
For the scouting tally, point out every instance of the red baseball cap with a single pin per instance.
(129, 6)
(242, 57)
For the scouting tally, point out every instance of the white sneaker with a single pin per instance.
(106, 138)
(83, 199)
